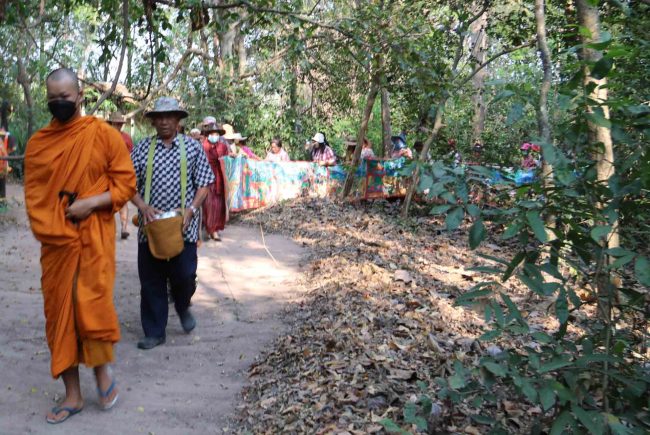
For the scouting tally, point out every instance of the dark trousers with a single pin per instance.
(154, 273)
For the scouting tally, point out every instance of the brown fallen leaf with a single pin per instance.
(403, 275)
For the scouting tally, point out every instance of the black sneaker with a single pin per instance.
(187, 321)
(150, 342)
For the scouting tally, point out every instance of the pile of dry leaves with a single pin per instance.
(378, 323)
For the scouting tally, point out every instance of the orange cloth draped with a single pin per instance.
(86, 156)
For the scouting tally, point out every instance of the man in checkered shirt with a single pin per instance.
(166, 196)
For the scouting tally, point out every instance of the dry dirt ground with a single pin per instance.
(190, 385)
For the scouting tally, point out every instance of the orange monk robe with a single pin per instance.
(86, 156)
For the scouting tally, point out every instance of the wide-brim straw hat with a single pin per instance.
(117, 118)
(237, 137)
(166, 105)
(228, 129)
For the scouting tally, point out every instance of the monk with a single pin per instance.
(78, 173)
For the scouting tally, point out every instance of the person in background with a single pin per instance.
(214, 207)
(212, 136)
(477, 154)
(195, 134)
(78, 174)
(366, 151)
(117, 121)
(399, 147)
(530, 152)
(240, 148)
(321, 152)
(229, 132)
(164, 152)
(277, 153)
(208, 120)
(453, 155)
(7, 145)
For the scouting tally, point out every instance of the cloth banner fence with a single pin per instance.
(252, 184)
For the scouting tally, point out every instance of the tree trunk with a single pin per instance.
(479, 41)
(242, 55)
(363, 129)
(385, 124)
(543, 124)
(25, 83)
(207, 72)
(129, 62)
(600, 136)
(437, 125)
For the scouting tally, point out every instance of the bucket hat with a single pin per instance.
(209, 120)
(213, 126)
(166, 105)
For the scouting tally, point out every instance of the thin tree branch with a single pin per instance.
(126, 28)
(495, 57)
(486, 6)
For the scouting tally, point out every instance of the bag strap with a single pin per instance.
(150, 155)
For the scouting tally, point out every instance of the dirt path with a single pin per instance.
(189, 385)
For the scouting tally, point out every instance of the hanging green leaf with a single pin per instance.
(537, 225)
(515, 114)
(454, 218)
(598, 117)
(600, 232)
(561, 422)
(477, 234)
(642, 270)
(547, 398)
(495, 368)
(593, 421)
(602, 68)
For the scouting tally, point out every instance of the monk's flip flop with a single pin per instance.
(105, 394)
(59, 409)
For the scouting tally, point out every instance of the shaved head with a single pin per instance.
(63, 75)
(64, 97)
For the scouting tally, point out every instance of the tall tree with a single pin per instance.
(386, 129)
(479, 44)
(600, 134)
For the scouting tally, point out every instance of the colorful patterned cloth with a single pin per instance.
(252, 184)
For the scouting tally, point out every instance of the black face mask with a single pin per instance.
(62, 110)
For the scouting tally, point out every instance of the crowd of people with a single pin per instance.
(79, 172)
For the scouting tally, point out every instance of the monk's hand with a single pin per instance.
(149, 213)
(80, 209)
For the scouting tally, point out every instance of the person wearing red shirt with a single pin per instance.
(214, 207)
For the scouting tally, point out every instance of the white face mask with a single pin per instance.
(213, 138)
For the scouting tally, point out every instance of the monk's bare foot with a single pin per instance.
(65, 409)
